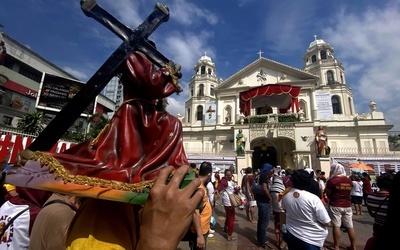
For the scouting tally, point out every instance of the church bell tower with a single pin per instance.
(201, 90)
(319, 60)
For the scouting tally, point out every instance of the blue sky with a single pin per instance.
(365, 35)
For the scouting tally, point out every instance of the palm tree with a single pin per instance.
(97, 122)
(33, 123)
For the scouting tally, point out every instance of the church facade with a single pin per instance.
(278, 109)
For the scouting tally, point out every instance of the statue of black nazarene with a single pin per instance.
(116, 169)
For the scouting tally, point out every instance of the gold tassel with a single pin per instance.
(59, 171)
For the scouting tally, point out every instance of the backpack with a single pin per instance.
(257, 188)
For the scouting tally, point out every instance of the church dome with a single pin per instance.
(205, 59)
(317, 42)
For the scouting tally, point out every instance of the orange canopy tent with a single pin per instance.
(361, 166)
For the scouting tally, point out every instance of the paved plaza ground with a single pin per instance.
(245, 232)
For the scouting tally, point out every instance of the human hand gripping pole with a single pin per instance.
(168, 212)
(133, 40)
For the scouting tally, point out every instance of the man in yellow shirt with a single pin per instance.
(198, 233)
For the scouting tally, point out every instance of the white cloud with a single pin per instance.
(126, 11)
(188, 13)
(287, 34)
(78, 74)
(368, 44)
(242, 3)
(176, 105)
(187, 49)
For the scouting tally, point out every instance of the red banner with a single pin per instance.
(11, 145)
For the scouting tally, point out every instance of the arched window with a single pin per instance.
(191, 91)
(323, 54)
(314, 58)
(212, 91)
(209, 71)
(336, 107)
(199, 114)
(203, 70)
(201, 90)
(329, 76)
(188, 116)
(341, 78)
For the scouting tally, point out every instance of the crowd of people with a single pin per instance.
(303, 205)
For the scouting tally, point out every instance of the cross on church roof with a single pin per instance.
(259, 53)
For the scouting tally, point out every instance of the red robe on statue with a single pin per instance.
(140, 139)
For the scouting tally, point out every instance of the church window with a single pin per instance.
(201, 90)
(209, 71)
(199, 113)
(323, 54)
(188, 116)
(203, 70)
(314, 58)
(341, 78)
(336, 107)
(329, 76)
(212, 92)
(191, 91)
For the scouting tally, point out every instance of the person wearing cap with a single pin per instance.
(11, 191)
(264, 202)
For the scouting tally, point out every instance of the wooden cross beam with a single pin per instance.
(132, 40)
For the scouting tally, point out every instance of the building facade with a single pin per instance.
(278, 109)
(21, 72)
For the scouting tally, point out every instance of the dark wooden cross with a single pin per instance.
(132, 40)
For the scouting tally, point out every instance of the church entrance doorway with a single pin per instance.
(264, 154)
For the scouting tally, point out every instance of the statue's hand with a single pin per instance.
(175, 69)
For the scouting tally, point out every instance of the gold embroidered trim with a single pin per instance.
(95, 140)
(58, 170)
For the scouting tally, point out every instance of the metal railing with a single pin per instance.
(15, 131)
(363, 152)
(271, 118)
(225, 151)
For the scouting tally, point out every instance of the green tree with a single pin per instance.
(394, 141)
(32, 123)
(97, 123)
